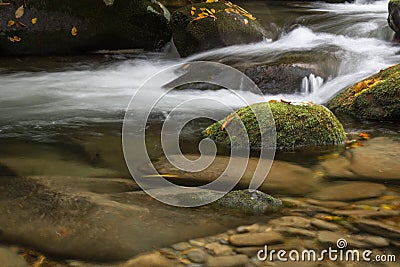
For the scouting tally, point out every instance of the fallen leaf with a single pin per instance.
(226, 123)
(20, 24)
(364, 136)
(34, 20)
(14, 39)
(273, 101)
(5, 4)
(246, 21)
(74, 31)
(212, 10)
(19, 12)
(193, 8)
(192, 13)
(10, 23)
(286, 102)
(211, 1)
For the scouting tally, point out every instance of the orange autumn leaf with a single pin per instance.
(192, 13)
(14, 39)
(364, 136)
(34, 20)
(10, 23)
(74, 31)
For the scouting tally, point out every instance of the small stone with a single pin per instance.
(367, 213)
(323, 225)
(248, 251)
(348, 191)
(197, 256)
(374, 241)
(150, 260)
(246, 229)
(197, 243)
(329, 237)
(181, 246)
(228, 261)
(327, 204)
(256, 239)
(218, 249)
(294, 221)
(296, 231)
(378, 228)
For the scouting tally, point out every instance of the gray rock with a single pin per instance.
(256, 239)
(181, 246)
(327, 204)
(197, 256)
(150, 260)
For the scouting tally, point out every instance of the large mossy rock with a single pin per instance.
(375, 98)
(70, 26)
(297, 126)
(394, 16)
(205, 26)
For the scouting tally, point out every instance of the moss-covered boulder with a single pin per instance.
(42, 27)
(375, 98)
(394, 16)
(205, 26)
(297, 126)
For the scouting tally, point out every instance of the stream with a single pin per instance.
(62, 116)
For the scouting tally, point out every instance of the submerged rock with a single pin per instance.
(253, 202)
(394, 16)
(205, 26)
(48, 27)
(376, 98)
(297, 125)
(281, 79)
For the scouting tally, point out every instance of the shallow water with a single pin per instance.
(63, 116)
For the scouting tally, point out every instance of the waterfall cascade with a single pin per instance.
(311, 84)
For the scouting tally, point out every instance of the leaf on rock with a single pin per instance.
(20, 24)
(74, 31)
(19, 12)
(34, 20)
(14, 39)
(10, 23)
(364, 136)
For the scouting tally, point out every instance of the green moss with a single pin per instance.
(397, 2)
(380, 101)
(249, 202)
(296, 126)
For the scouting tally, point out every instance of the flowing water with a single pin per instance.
(63, 116)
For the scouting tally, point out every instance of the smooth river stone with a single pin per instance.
(256, 239)
(377, 160)
(98, 219)
(228, 261)
(8, 257)
(283, 178)
(348, 191)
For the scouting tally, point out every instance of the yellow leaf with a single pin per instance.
(246, 21)
(14, 39)
(192, 12)
(10, 23)
(19, 12)
(211, 1)
(193, 8)
(74, 31)
(4, 4)
(212, 10)
(34, 20)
